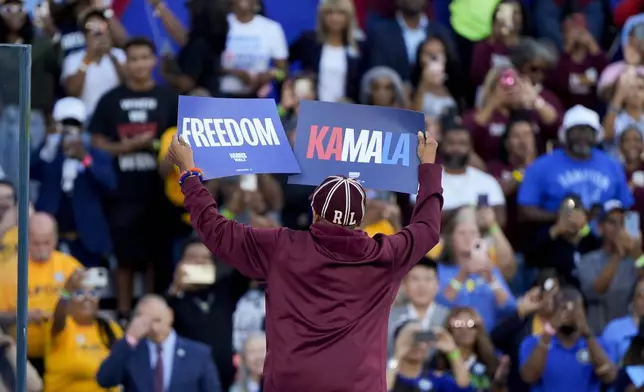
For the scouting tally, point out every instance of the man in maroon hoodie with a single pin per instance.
(329, 289)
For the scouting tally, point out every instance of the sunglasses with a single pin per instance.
(80, 295)
(11, 8)
(461, 324)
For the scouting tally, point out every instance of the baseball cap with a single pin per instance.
(610, 206)
(581, 115)
(70, 108)
(340, 200)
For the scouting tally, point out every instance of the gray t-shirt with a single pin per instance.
(614, 303)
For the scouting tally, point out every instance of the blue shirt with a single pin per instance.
(595, 181)
(168, 347)
(477, 294)
(431, 381)
(567, 369)
(618, 334)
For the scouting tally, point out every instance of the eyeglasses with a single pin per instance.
(461, 324)
(80, 295)
(11, 8)
(536, 69)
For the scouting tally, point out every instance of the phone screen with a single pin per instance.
(632, 223)
(483, 200)
(424, 336)
(248, 182)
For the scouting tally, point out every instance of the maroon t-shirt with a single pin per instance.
(485, 56)
(328, 290)
(513, 230)
(576, 83)
(487, 138)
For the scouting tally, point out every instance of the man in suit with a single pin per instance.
(152, 358)
(420, 286)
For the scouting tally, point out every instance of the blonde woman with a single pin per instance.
(252, 364)
(332, 51)
(8, 367)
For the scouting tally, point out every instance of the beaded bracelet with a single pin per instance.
(194, 172)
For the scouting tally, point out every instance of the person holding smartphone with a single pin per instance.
(203, 305)
(405, 371)
(608, 275)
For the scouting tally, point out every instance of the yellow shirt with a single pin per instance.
(46, 280)
(9, 245)
(74, 356)
(381, 227)
(172, 187)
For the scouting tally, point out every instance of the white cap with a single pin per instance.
(70, 108)
(580, 115)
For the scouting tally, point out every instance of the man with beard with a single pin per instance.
(566, 356)
(578, 168)
(464, 185)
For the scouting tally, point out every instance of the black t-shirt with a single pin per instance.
(198, 61)
(121, 114)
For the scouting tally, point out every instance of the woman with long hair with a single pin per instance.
(475, 347)
(332, 51)
(252, 364)
(79, 339)
(437, 78)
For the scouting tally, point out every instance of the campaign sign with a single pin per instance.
(374, 145)
(231, 137)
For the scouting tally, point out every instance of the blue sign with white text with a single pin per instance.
(232, 137)
(374, 145)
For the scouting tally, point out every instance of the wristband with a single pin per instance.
(156, 144)
(639, 263)
(278, 74)
(495, 229)
(517, 175)
(87, 161)
(453, 355)
(227, 214)
(456, 285)
(281, 111)
(584, 231)
(64, 294)
(194, 172)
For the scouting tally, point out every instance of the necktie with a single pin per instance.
(158, 371)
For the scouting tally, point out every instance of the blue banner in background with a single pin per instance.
(230, 137)
(375, 145)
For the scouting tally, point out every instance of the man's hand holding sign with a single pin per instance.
(331, 286)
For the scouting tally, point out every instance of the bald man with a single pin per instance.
(173, 363)
(48, 272)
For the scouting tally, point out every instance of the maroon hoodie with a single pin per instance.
(329, 290)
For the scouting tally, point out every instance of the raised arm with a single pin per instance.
(423, 233)
(247, 249)
(242, 247)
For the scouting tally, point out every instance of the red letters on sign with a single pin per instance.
(317, 148)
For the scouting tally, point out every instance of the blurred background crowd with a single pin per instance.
(538, 106)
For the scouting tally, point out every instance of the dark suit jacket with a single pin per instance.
(507, 338)
(193, 369)
(386, 46)
(308, 50)
(89, 187)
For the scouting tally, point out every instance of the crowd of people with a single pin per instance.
(538, 107)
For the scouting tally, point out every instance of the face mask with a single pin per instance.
(567, 330)
(579, 149)
(455, 161)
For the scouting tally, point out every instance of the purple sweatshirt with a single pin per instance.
(329, 290)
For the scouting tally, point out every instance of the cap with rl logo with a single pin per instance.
(340, 200)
